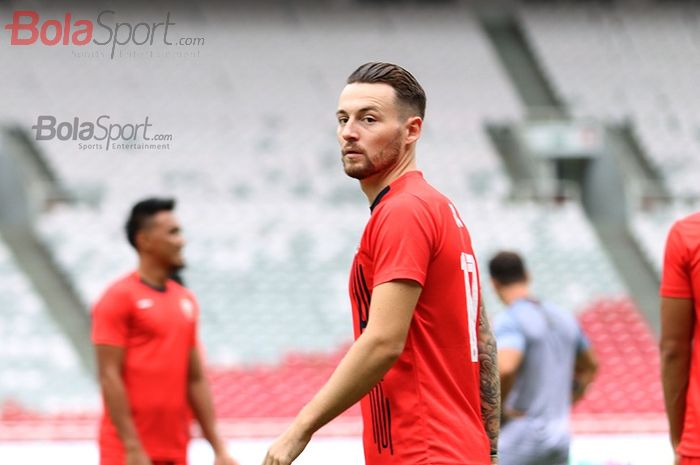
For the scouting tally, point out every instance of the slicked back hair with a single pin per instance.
(142, 212)
(409, 92)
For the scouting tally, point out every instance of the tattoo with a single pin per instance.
(490, 382)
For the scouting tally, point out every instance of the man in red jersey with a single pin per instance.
(680, 338)
(424, 360)
(150, 368)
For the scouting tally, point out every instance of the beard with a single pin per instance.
(368, 166)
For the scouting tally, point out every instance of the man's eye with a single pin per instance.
(369, 119)
(342, 120)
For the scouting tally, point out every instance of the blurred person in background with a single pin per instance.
(423, 362)
(151, 373)
(541, 351)
(680, 338)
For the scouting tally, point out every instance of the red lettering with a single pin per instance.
(26, 30)
(17, 25)
(56, 25)
(66, 28)
(86, 32)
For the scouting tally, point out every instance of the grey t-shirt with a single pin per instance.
(550, 340)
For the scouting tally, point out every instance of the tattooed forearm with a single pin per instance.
(490, 382)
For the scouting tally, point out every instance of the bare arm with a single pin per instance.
(509, 361)
(490, 384)
(364, 365)
(677, 321)
(202, 405)
(110, 360)
(585, 368)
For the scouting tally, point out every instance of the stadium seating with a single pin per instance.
(634, 63)
(36, 357)
(254, 400)
(268, 286)
(271, 220)
(626, 394)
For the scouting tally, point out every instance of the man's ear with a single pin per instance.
(142, 240)
(414, 126)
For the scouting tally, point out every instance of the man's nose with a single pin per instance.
(349, 131)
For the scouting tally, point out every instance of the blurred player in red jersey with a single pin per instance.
(680, 338)
(424, 359)
(150, 368)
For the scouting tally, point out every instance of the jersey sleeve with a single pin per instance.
(402, 240)
(675, 279)
(509, 334)
(110, 318)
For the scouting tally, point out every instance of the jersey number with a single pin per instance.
(471, 287)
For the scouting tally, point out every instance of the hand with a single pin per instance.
(286, 448)
(494, 460)
(224, 459)
(137, 456)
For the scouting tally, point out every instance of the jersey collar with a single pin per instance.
(379, 197)
(138, 278)
(396, 184)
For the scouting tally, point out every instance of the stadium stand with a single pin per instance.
(271, 220)
(634, 62)
(35, 356)
(274, 168)
(626, 395)
(288, 289)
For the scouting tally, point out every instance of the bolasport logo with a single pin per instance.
(30, 28)
(102, 133)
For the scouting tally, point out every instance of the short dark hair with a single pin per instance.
(408, 91)
(507, 268)
(143, 211)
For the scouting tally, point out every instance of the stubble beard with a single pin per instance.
(364, 168)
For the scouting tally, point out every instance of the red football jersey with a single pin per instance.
(681, 279)
(157, 330)
(426, 410)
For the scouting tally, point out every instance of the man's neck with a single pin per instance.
(153, 274)
(515, 291)
(373, 185)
